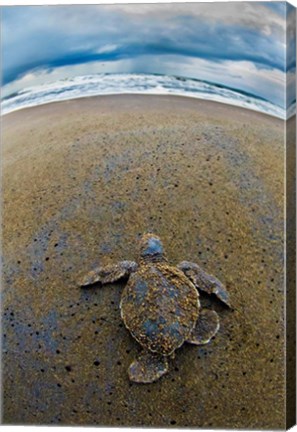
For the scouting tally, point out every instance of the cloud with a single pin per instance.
(242, 75)
(150, 36)
(238, 75)
(107, 48)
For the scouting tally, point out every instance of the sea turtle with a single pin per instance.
(160, 305)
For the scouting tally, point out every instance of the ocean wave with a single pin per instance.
(107, 84)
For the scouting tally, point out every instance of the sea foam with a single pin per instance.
(107, 84)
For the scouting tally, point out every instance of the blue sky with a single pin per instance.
(242, 45)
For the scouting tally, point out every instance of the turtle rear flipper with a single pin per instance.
(206, 327)
(204, 281)
(108, 274)
(148, 367)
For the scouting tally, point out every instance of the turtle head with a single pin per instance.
(151, 248)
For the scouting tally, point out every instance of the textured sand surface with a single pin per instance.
(82, 179)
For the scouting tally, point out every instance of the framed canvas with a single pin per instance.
(148, 215)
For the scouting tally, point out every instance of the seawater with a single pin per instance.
(108, 84)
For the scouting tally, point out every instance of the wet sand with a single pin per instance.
(82, 180)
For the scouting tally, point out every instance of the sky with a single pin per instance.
(242, 45)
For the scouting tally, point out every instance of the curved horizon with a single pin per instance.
(242, 46)
(150, 84)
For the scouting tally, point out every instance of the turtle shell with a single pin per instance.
(159, 306)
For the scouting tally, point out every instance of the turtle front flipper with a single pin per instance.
(204, 281)
(148, 367)
(108, 274)
(206, 327)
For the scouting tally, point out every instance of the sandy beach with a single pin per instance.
(82, 179)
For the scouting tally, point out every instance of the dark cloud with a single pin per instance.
(36, 37)
(239, 44)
